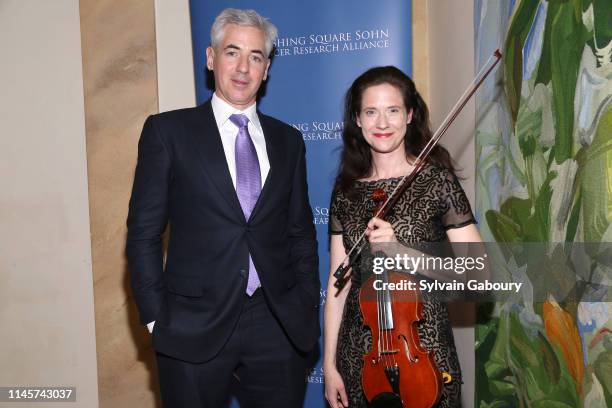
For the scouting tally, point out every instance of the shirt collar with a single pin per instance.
(223, 110)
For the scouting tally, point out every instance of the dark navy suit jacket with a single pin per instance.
(182, 180)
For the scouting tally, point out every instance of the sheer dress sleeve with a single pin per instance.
(455, 208)
(334, 226)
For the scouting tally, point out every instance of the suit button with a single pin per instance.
(243, 273)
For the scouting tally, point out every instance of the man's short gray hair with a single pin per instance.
(244, 18)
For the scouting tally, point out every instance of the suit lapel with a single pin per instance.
(209, 147)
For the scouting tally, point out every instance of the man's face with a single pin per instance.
(240, 64)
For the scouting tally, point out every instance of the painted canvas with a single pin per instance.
(544, 174)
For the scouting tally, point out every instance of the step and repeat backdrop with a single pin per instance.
(321, 48)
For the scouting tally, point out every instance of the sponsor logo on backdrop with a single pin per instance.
(320, 215)
(316, 375)
(330, 43)
(320, 131)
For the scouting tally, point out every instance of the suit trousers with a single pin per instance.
(258, 361)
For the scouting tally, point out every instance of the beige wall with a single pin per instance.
(46, 299)
(451, 70)
(120, 81)
(175, 76)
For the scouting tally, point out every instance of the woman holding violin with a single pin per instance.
(386, 124)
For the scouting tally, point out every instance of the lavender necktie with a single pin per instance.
(248, 182)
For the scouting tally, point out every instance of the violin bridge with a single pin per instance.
(384, 351)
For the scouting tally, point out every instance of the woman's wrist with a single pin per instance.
(329, 364)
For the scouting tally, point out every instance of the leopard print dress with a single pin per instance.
(433, 203)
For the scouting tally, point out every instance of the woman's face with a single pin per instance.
(383, 118)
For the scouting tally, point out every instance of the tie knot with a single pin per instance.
(239, 120)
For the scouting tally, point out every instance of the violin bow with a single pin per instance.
(419, 163)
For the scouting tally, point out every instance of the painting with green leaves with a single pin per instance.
(544, 174)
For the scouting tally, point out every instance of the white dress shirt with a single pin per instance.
(228, 131)
(222, 111)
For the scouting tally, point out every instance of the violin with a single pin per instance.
(398, 371)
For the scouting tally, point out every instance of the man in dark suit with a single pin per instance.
(240, 292)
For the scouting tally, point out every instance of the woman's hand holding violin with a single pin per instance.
(380, 231)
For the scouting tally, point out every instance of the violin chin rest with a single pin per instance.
(386, 400)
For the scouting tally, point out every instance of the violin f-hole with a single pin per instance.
(411, 358)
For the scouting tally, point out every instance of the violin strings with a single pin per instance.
(381, 327)
(386, 324)
(379, 316)
(381, 339)
(387, 328)
(391, 336)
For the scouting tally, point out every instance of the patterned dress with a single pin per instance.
(432, 204)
